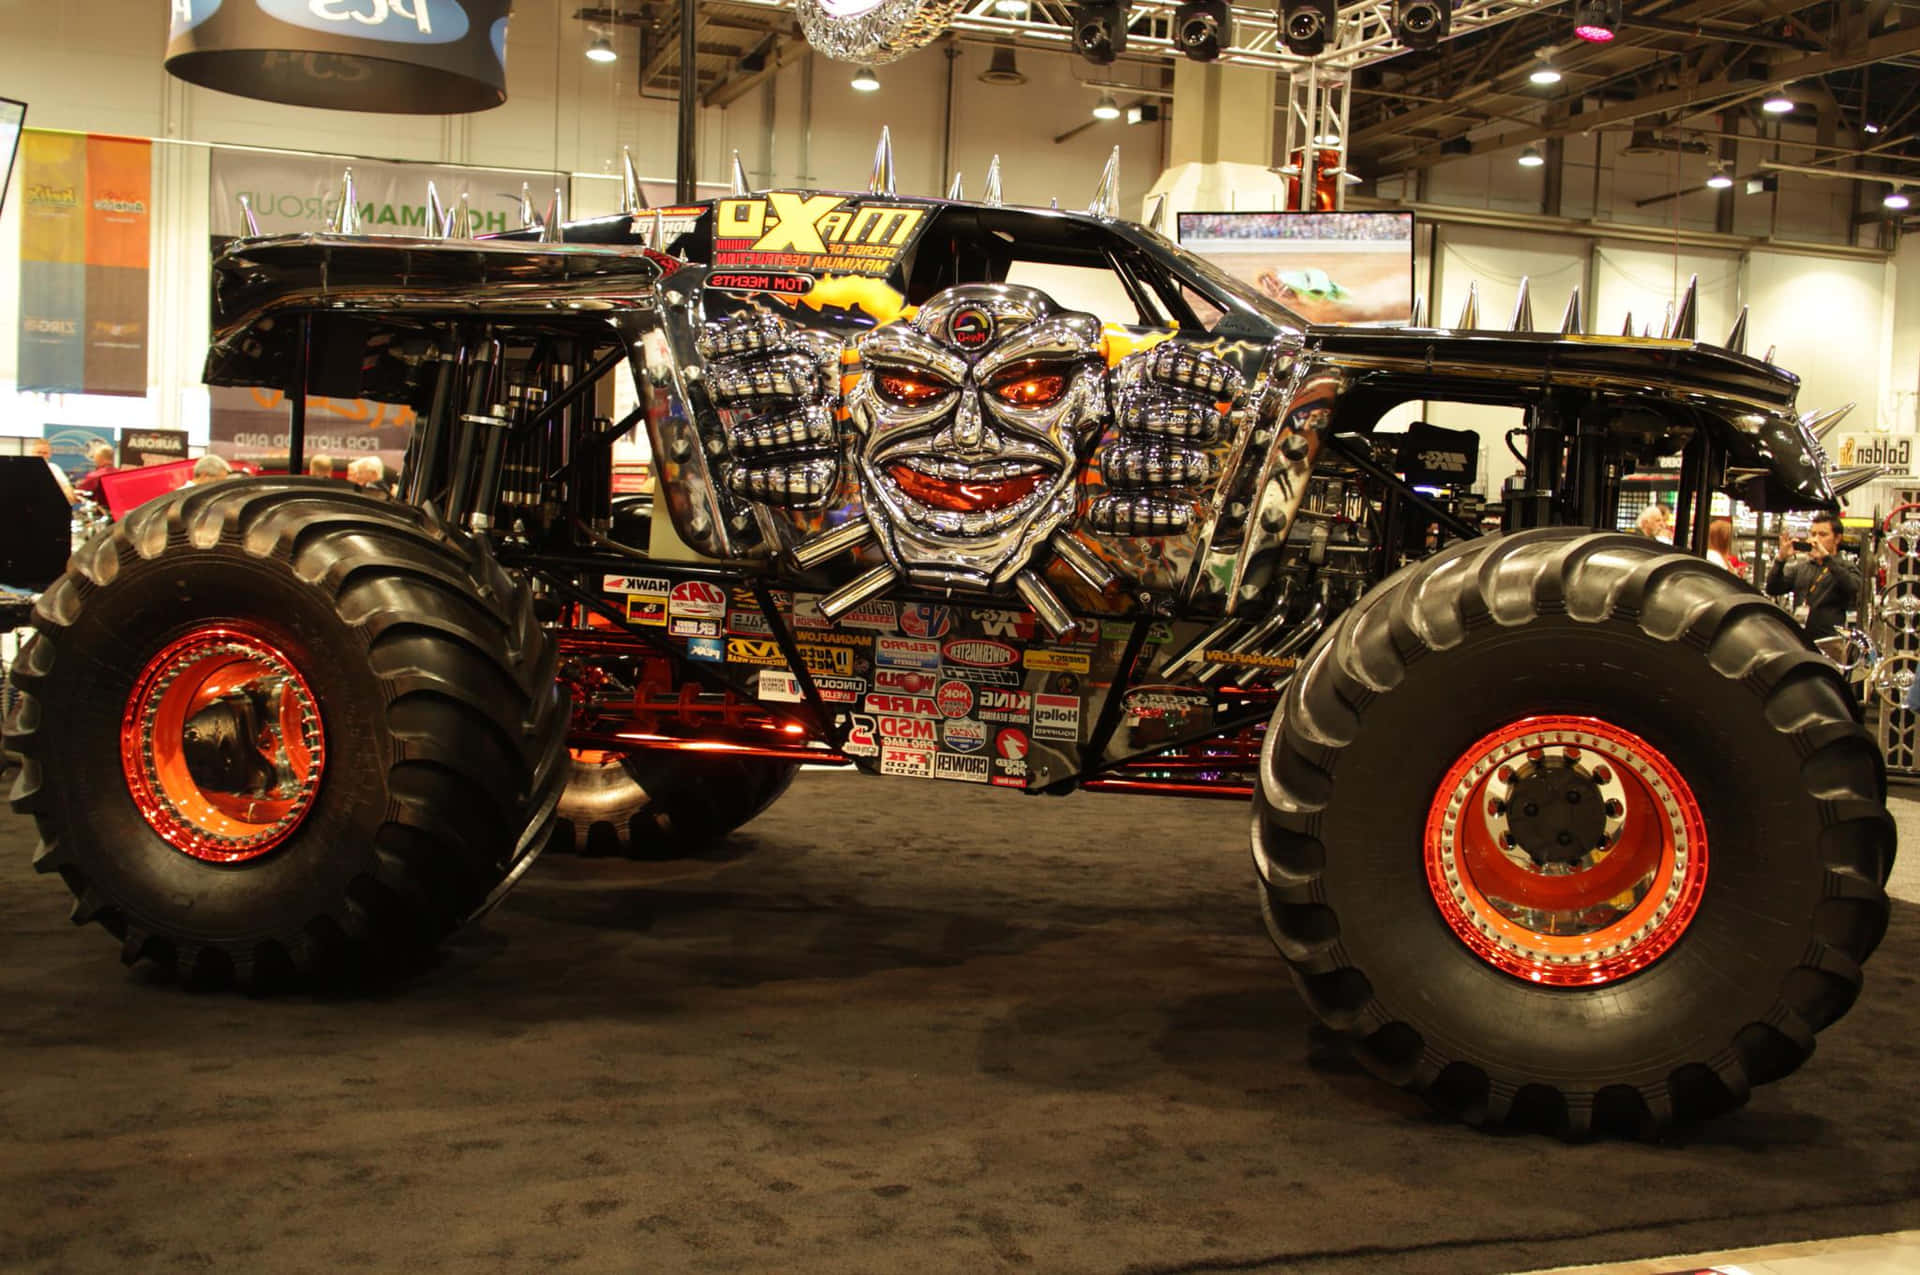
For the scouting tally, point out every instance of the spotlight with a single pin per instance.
(1718, 180)
(1202, 29)
(865, 81)
(1306, 24)
(1870, 127)
(1010, 8)
(1003, 69)
(601, 50)
(1327, 139)
(1777, 104)
(1597, 21)
(1895, 199)
(1106, 108)
(1099, 31)
(1531, 158)
(1421, 24)
(1546, 72)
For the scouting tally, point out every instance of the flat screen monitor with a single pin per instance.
(1327, 267)
(13, 117)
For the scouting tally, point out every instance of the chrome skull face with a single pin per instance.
(973, 419)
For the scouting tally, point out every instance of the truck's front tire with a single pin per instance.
(271, 728)
(1572, 831)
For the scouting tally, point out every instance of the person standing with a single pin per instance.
(1720, 544)
(1819, 576)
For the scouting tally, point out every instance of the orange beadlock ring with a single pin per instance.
(203, 671)
(1587, 916)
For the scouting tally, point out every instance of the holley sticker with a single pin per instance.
(1056, 716)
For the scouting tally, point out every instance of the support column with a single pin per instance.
(1220, 144)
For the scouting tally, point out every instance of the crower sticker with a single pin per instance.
(965, 768)
(823, 234)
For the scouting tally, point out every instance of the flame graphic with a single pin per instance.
(872, 297)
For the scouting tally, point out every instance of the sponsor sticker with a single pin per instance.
(1150, 703)
(982, 676)
(679, 626)
(1005, 624)
(1010, 757)
(653, 586)
(1056, 717)
(877, 616)
(979, 653)
(748, 624)
(922, 732)
(645, 610)
(968, 770)
(899, 705)
(806, 612)
(863, 737)
(779, 686)
(1043, 660)
(698, 600)
(898, 652)
(712, 650)
(923, 620)
(912, 681)
(1247, 659)
(840, 690)
(963, 735)
(837, 661)
(955, 699)
(898, 760)
(997, 704)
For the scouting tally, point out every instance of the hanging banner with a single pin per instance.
(71, 443)
(85, 205)
(415, 57)
(293, 194)
(142, 447)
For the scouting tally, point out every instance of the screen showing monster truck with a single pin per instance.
(1332, 267)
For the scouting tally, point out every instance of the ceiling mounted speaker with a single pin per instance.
(402, 57)
(873, 32)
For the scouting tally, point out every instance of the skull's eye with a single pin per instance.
(1030, 387)
(907, 388)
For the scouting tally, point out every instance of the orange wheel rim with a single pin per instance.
(1566, 851)
(222, 745)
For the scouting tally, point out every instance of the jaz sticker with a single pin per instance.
(914, 762)
(980, 654)
(968, 770)
(1056, 717)
(955, 699)
(963, 735)
(698, 600)
(922, 620)
(863, 737)
(779, 686)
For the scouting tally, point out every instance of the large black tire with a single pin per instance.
(660, 805)
(443, 729)
(1715, 677)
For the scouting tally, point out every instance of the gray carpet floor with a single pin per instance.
(903, 1026)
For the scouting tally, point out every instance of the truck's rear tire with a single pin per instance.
(660, 805)
(271, 728)
(1572, 831)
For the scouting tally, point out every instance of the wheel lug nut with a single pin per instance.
(1496, 807)
(1615, 809)
(1573, 798)
(1565, 838)
(1530, 809)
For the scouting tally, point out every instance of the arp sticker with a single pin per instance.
(679, 626)
(1010, 757)
(914, 762)
(1045, 661)
(698, 600)
(955, 699)
(863, 737)
(899, 705)
(966, 769)
(779, 686)
(917, 653)
(978, 653)
(712, 650)
(924, 620)
(1056, 717)
(997, 704)
(963, 735)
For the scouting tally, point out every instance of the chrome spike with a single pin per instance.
(1106, 196)
(1769, 357)
(1686, 320)
(1054, 203)
(460, 220)
(554, 228)
(436, 214)
(857, 590)
(1845, 480)
(657, 233)
(347, 220)
(1820, 424)
(1470, 312)
(991, 195)
(529, 219)
(1157, 216)
(881, 183)
(737, 179)
(1666, 323)
(1418, 319)
(632, 198)
(955, 190)
(1626, 329)
(1646, 333)
(1523, 308)
(1047, 606)
(1737, 339)
(1570, 319)
(247, 218)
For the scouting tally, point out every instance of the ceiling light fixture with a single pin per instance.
(1530, 158)
(1421, 24)
(1003, 69)
(1718, 180)
(1106, 108)
(1010, 8)
(1548, 74)
(601, 50)
(865, 81)
(1870, 127)
(1306, 24)
(1327, 139)
(1203, 29)
(1597, 21)
(1895, 199)
(1777, 104)
(1099, 31)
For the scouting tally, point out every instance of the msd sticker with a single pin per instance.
(914, 653)
(1010, 758)
(914, 762)
(779, 686)
(916, 732)
(1056, 717)
(697, 600)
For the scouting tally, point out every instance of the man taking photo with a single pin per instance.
(1818, 575)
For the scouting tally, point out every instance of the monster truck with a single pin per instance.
(1553, 825)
